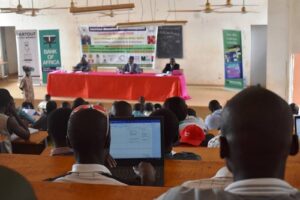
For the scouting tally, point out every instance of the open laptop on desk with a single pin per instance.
(134, 140)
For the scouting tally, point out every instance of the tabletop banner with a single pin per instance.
(111, 46)
(233, 59)
(50, 52)
(28, 55)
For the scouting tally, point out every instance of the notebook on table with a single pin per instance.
(134, 140)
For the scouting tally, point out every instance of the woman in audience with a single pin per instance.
(41, 124)
(213, 121)
(57, 129)
(171, 136)
(10, 122)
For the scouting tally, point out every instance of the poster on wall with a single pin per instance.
(111, 46)
(27, 48)
(50, 52)
(233, 59)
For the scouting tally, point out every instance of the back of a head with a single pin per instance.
(51, 106)
(295, 109)
(178, 106)
(78, 102)
(192, 112)
(214, 105)
(157, 106)
(58, 126)
(5, 98)
(171, 127)
(137, 107)
(47, 97)
(257, 125)
(87, 131)
(14, 186)
(65, 104)
(149, 107)
(121, 109)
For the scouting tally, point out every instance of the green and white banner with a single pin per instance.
(111, 46)
(50, 52)
(233, 58)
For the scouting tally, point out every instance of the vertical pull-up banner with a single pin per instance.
(28, 55)
(50, 52)
(233, 59)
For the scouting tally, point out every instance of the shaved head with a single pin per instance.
(257, 128)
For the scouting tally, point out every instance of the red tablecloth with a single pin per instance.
(106, 85)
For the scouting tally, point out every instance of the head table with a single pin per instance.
(108, 85)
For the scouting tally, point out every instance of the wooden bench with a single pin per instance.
(35, 145)
(39, 168)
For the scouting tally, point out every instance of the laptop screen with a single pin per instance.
(297, 125)
(136, 138)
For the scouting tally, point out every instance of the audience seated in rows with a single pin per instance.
(137, 110)
(213, 121)
(121, 109)
(57, 130)
(42, 105)
(171, 126)
(41, 124)
(89, 136)
(14, 186)
(10, 122)
(258, 166)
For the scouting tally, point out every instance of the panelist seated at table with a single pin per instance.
(83, 65)
(131, 67)
(171, 66)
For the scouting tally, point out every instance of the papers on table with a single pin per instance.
(162, 74)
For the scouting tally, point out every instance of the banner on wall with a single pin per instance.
(27, 48)
(111, 46)
(50, 52)
(233, 59)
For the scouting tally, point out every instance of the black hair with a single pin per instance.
(5, 98)
(51, 105)
(157, 106)
(122, 109)
(192, 112)
(178, 106)
(65, 104)
(214, 105)
(78, 102)
(149, 107)
(137, 107)
(295, 109)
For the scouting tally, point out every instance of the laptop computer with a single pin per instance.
(134, 140)
(297, 125)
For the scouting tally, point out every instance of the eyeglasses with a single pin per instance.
(94, 107)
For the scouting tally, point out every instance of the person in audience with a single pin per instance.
(192, 135)
(14, 186)
(41, 124)
(28, 119)
(179, 107)
(214, 142)
(157, 106)
(131, 67)
(137, 110)
(121, 109)
(10, 122)
(170, 128)
(89, 136)
(26, 85)
(148, 109)
(57, 129)
(42, 105)
(295, 109)
(213, 121)
(29, 109)
(66, 104)
(78, 102)
(257, 166)
(171, 66)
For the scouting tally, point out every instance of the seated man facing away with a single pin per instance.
(213, 121)
(121, 109)
(42, 105)
(171, 136)
(89, 136)
(256, 140)
(41, 124)
(57, 129)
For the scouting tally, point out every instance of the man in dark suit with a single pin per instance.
(131, 67)
(171, 66)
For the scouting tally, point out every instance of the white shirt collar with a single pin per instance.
(260, 186)
(86, 168)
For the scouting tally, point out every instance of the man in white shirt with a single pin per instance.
(89, 136)
(213, 121)
(42, 105)
(249, 119)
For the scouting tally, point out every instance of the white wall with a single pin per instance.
(203, 43)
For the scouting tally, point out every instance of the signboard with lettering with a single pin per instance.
(50, 52)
